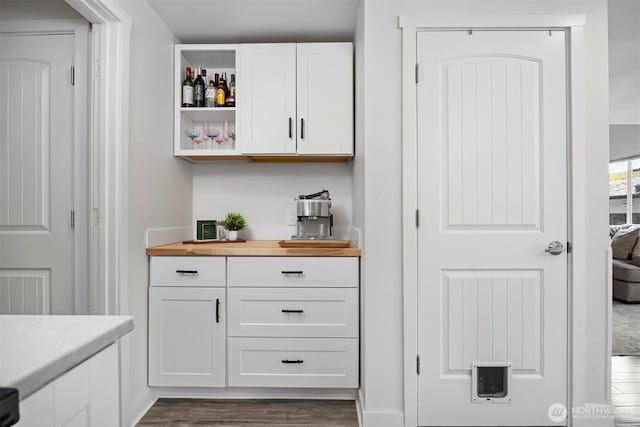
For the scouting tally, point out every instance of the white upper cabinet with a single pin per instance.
(325, 98)
(267, 121)
(297, 99)
(294, 102)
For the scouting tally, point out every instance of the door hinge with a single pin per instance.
(73, 75)
(417, 72)
(417, 218)
(418, 364)
(73, 219)
(569, 247)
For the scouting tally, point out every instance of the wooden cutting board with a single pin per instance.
(314, 243)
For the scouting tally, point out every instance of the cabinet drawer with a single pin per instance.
(293, 271)
(293, 362)
(187, 271)
(293, 312)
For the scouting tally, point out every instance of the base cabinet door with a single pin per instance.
(85, 396)
(187, 345)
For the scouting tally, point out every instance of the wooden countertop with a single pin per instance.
(248, 248)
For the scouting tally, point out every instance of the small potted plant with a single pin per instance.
(233, 223)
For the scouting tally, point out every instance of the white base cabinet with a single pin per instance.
(274, 322)
(86, 396)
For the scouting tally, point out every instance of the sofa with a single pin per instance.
(625, 246)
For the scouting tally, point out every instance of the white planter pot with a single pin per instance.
(232, 234)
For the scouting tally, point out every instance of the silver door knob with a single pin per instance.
(555, 248)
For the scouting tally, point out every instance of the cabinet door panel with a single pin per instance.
(267, 99)
(187, 337)
(325, 98)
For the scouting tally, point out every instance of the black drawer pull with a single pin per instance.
(287, 361)
(217, 310)
(292, 272)
(194, 272)
(284, 310)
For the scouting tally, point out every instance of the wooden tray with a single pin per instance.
(206, 242)
(314, 243)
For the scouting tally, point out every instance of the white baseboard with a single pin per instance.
(368, 418)
(141, 406)
(359, 404)
(595, 415)
(254, 393)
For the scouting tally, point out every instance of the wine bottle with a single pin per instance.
(231, 99)
(198, 91)
(210, 94)
(187, 89)
(226, 88)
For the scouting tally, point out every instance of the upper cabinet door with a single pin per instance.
(267, 117)
(325, 98)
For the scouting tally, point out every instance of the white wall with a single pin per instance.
(264, 193)
(382, 261)
(624, 140)
(159, 184)
(36, 10)
(624, 61)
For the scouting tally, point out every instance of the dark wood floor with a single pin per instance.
(251, 413)
(625, 389)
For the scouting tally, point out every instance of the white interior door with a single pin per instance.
(267, 100)
(492, 194)
(36, 174)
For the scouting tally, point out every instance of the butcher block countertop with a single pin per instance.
(248, 248)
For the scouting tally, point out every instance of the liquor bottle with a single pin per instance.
(198, 91)
(220, 94)
(231, 100)
(210, 94)
(187, 89)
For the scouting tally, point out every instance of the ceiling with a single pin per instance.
(254, 21)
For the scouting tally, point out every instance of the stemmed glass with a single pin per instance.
(211, 133)
(195, 135)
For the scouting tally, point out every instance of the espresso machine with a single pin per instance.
(314, 217)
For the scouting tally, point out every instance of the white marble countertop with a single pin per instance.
(35, 350)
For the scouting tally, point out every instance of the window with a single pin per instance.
(624, 192)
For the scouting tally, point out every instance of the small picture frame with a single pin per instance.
(206, 230)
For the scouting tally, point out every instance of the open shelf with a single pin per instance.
(209, 114)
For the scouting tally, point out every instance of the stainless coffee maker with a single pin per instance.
(314, 217)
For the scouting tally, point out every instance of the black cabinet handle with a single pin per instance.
(301, 128)
(217, 310)
(290, 128)
(287, 361)
(284, 310)
(292, 272)
(194, 272)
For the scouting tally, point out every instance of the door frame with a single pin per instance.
(576, 128)
(79, 29)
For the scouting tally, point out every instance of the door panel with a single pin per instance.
(36, 170)
(187, 343)
(492, 192)
(268, 98)
(325, 98)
